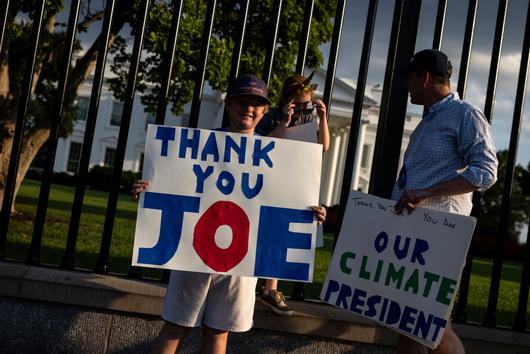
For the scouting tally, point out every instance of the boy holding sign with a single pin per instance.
(219, 303)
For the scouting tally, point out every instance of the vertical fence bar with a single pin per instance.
(102, 265)
(304, 36)
(168, 61)
(201, 69)
(69, 253)
(334, 53)
(519, 323)
(461, 306)
(495, 59)
(238, 50)
(466, 48)
(439, 25)
(357, 112)
(269, 58)
(394, 99)
(490, 318)
(298, 292)
(33, 256)
(3, 21)
(25, 97)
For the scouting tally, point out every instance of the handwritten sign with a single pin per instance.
(228, 203)
(399, 270)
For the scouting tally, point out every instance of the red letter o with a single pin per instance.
(218, 214)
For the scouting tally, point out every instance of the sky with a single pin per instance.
(351, 45)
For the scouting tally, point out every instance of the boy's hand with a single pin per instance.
(320, 213)
(138, 187)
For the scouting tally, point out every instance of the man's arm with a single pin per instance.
(410, 198)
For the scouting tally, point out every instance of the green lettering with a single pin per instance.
(344, 262)
(430, 277)
(413, 282)
(363, 273)
(394, 275)
(448, 286)
(378, 270)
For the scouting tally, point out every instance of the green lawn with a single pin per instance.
(91, 227)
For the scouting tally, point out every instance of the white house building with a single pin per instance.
(211, 113)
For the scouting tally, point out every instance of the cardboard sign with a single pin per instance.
(227, 203)
(401, 271)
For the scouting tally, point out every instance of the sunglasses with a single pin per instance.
(304, 108)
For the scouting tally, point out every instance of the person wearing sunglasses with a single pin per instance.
(297, 106)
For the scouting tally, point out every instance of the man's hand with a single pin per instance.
(409, 199)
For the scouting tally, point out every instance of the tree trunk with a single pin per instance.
(6, 142)
(34, 139)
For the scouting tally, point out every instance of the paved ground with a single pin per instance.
(37, 327)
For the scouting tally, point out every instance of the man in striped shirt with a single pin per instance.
(450, 155)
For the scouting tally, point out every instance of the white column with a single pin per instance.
(359, 154)
(333, 156)
(340, 165)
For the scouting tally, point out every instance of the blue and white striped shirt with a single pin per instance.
(453, 139)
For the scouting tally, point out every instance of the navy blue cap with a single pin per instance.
(249, 85)
(433, 61)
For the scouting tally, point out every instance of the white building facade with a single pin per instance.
(211, 113)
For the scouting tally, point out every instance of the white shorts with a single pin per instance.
(218, 301)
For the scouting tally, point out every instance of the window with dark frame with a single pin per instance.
(364, 156)
(117, 110)
(110, 157)
(82, 108)
(74, 155)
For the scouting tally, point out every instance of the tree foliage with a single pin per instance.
(17, 44)
(488, 222)
(225, 29)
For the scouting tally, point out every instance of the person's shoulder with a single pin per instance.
(466, 108)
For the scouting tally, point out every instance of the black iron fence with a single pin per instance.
(389, 131)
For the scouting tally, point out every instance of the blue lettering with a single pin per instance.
(394, 313)
(186, 143)
(344, 294)
(251, 192)
(371, 302)
(333, 287)
(230, 144)
(381, 241)
(173, 208)
(274, 238)
(420, 246)
(423, 325)
(439, 323)
(210, 148)
(357, 300)
(401, 253)
(262, 154)
(228, 187)
(407, 319)
(165, 134)
(201, 176)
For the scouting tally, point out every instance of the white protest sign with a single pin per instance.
(305, 132)
(227, 203)
(401, 271)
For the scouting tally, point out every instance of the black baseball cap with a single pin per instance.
(249, 85)
(433, 61)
